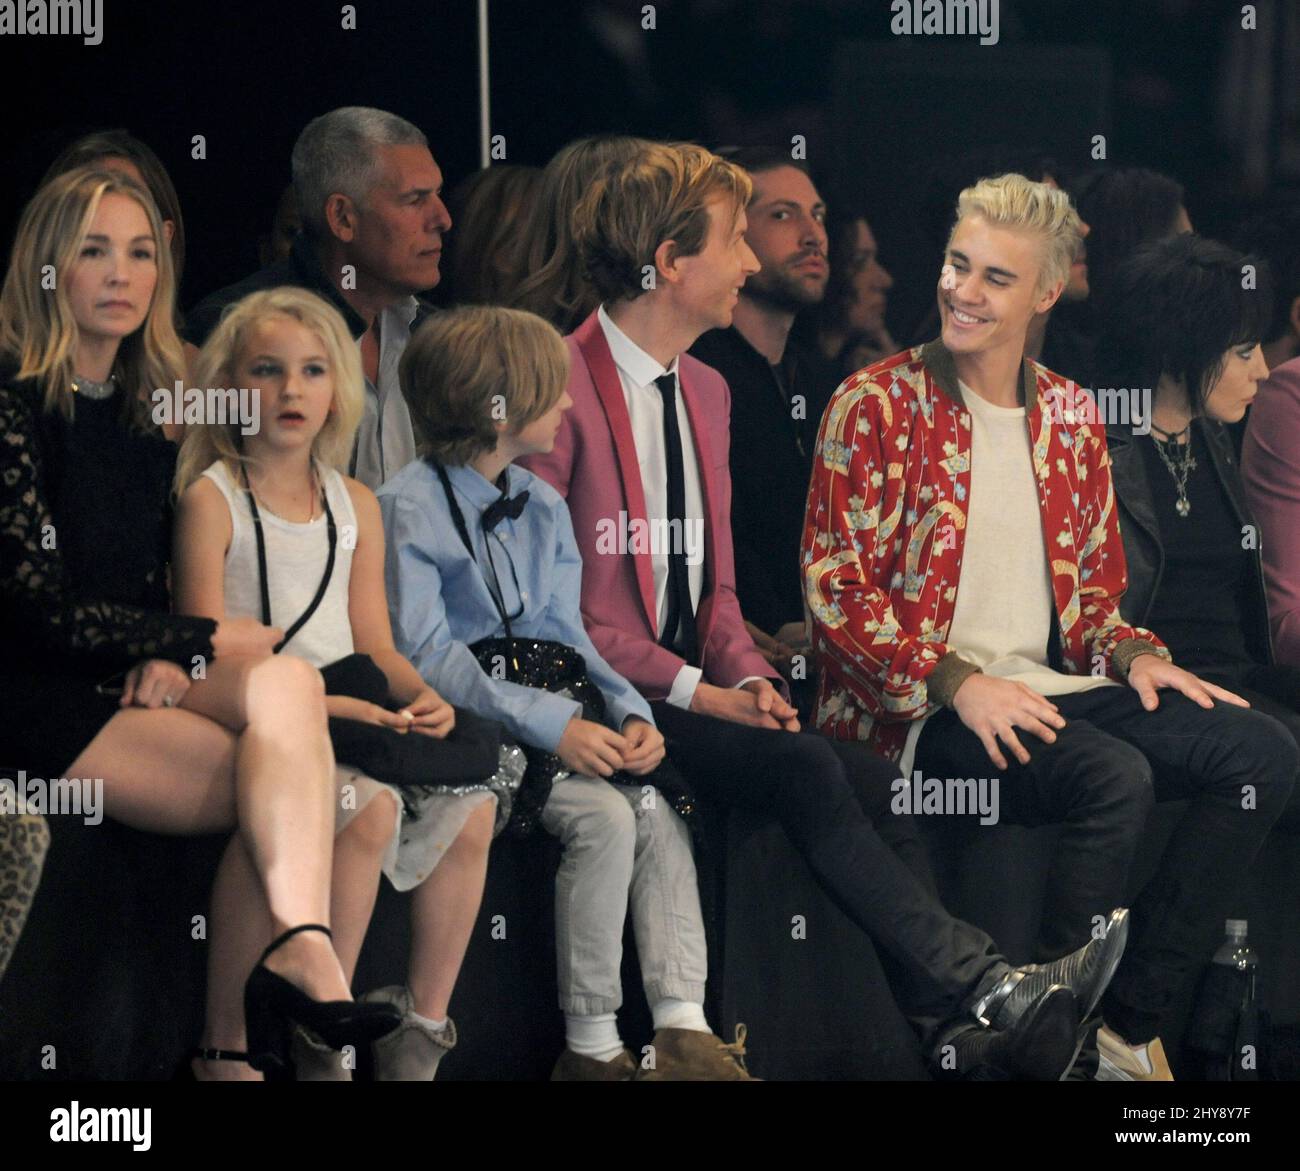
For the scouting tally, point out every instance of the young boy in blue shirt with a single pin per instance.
(479, 549)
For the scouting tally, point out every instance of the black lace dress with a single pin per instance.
(85, 537)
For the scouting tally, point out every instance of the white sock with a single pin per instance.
(679, 1014)
(593, 1036)
(429, 1022)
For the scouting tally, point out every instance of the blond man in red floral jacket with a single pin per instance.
(963, 565)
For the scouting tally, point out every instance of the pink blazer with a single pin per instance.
(594, 467)
(1270, 468)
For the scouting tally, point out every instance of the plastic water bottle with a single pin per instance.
(1239, 967)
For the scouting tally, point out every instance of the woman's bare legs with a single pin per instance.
(443, 912)
(239, 902)
(239, 906)
(249, 747)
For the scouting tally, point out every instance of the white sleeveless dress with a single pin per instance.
(296, 553)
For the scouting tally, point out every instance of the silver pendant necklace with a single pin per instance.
(1180, 466)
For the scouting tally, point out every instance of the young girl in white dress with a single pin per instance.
(320, 533)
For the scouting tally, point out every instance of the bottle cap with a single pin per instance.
(1236, 928)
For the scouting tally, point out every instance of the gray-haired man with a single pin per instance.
(369, 193)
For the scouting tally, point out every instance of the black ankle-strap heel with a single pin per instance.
(184, 1071)
(272, 1005)
(218, 1054)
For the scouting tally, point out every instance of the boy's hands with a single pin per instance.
(592, 749)
(645, 746)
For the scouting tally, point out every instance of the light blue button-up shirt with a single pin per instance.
(439, 601)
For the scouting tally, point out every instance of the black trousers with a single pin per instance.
(833, 800)
(1275, 691)
(1234, 766)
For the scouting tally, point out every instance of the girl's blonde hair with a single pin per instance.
(467, 369)
(38, 331)
(1012, 201)
(206, 443)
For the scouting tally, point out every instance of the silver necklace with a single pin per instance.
(1180, 466)
(89, 388)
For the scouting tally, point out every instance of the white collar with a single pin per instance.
(403, 311)
(640, 368)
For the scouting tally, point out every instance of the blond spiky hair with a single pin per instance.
(1014, 202)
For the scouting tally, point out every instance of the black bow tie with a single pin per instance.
(510, 506)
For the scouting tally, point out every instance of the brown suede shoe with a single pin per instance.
(573, 1067)
(685, 1055)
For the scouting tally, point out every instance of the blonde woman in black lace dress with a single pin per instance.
(192, 725)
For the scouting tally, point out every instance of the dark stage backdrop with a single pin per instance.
(248, 74)
(901, 111)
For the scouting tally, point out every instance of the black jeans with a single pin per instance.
(1234, 766)
(833, 800)
(1275, 691)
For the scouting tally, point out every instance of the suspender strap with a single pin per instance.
(262, 577)
(458, 519)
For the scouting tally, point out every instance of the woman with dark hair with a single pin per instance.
(851, 327)
(1125, 208)
(120, 151)
(490, 209)
(1180, 323)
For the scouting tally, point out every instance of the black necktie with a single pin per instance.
(680, 611)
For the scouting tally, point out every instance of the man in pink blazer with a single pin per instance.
(620, 602)
(642, 459)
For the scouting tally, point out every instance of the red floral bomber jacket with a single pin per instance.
(883, 539)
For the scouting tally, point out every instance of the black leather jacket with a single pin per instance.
(1141, 531)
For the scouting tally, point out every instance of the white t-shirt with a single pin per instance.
(1003, 613)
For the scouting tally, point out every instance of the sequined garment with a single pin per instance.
(504, 784)
(557, 668)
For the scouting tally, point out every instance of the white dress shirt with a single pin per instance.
(637, 372)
